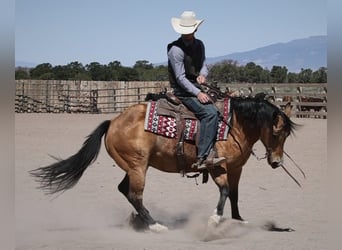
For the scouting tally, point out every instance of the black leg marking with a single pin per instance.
(142, 211)
(143, 218)
(224, 191)
(233, 197)
(124, 186)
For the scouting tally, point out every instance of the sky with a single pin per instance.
(64, 31)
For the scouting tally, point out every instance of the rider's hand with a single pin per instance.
(201, 79)
(203, 97)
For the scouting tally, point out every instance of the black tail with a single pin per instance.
(64, 174)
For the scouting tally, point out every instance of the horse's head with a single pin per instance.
(274, 135)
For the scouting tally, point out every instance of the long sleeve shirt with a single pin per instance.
(176, 58)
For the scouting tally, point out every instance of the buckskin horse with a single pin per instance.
(133, 149)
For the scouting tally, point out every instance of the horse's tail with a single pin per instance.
(64, 174)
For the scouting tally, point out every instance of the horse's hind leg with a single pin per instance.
(132, 186)
(135, 198)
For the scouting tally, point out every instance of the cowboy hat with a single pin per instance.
(186, 24)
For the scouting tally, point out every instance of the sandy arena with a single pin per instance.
(94, 214)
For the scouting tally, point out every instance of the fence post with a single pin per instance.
(138, 94)
(114, 100)
(250, 90)
(93, 101)
(274, 91)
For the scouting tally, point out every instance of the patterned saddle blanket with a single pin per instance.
(165, 123)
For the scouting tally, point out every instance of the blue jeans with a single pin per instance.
(208, 116)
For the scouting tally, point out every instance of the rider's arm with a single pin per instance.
(176, 57)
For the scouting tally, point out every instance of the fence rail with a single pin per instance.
(39, 96)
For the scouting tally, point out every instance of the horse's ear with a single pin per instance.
(288, 109)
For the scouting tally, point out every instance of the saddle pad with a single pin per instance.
(167, 126)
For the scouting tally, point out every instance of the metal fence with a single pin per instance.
(41, 96)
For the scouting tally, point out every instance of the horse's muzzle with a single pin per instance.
(275, 164)
(274, 161)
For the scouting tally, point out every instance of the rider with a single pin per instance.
(187, 71)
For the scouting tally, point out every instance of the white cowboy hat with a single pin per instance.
(186, 24)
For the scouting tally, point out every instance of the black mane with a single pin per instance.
(259, 112)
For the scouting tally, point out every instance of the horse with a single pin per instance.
(134, 150)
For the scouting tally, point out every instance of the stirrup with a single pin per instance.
(199, 164)
(216, 161)
(208, 163)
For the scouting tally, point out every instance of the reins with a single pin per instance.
(289, 174)
(295, 164)
(283, 167)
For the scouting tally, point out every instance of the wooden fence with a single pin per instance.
(309, 100)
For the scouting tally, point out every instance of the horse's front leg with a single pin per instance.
(218, 212)
(219, 176)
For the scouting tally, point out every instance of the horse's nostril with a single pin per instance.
(275, 164)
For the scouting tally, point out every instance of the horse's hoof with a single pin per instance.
(214, 220)
(158, 228)
(242, 221)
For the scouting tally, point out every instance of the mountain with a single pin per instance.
(304, 53)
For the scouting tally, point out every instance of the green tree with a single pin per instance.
(128, 74)
(114, 65)
(160, 73)
(143, 64)
(61, 73)
(278, 74)
(319, 76)
(98, 72)
(77, 71)
(253, 72)
(305, 75)
(114, 68)
(144, 70)
(42, 71)
(21, 73)
(71, 71)
(47, 76)
(292, 77)
(225, 71)
(265, 76)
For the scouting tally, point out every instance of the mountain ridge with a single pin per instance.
(296, 54)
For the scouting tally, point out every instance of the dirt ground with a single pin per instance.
(94, 215)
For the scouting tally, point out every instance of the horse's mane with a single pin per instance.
(260, 112)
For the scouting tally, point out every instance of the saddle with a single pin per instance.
(177, 110)
(172, 106)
